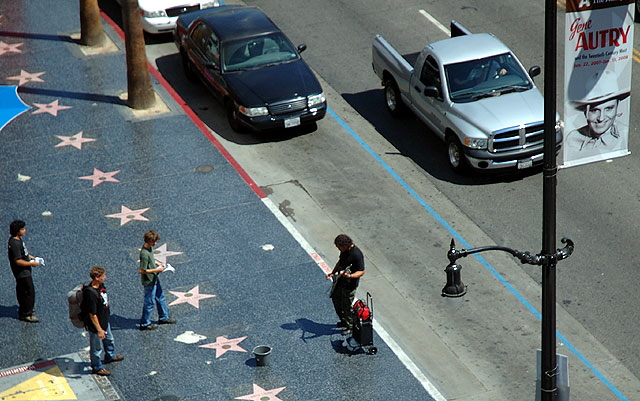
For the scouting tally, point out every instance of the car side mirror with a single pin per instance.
(534, 71)
(431, 91)
(302, 47)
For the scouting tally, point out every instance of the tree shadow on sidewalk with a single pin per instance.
(94, 97)
(40, 36)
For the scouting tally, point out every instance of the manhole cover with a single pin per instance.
(204, 168)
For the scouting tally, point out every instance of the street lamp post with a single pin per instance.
(549, 256)
(549, 366)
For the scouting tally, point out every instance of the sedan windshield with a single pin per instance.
(250, 53)
(487, 77)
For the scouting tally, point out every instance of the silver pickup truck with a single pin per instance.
(473, 93)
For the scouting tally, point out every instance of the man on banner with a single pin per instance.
(602, 133)
(598, 63)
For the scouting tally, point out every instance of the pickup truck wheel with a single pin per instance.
(187, 66)
(232, 118)
(392, 98)
(455, 154)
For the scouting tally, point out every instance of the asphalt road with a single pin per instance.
(315, 178)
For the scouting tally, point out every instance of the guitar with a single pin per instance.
(335, 277)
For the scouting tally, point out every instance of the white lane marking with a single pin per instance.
(402, 356)
(435, 22)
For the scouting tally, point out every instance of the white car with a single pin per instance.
(159, 16)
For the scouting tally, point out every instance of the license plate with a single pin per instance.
(525, 164)
(292, 122)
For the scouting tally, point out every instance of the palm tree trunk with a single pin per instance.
(91, 33)
(140, 90)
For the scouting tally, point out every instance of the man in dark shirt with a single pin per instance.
(95, 311)
(350, 267)
(21, 263)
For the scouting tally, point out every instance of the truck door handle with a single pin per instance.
(416, 88)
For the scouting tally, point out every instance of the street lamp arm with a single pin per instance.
(456, 288)
(524, 257)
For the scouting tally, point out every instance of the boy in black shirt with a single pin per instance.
(21, 263)
(95, 310)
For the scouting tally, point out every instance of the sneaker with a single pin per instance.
(118, 358)
(168, 321)
(30, 319)
(101, 372)
(149, 327)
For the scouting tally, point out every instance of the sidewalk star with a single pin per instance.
(126, 215)
(161, 253)
(51, 108)
(75, 140)
(98, 177)
(192, 297)
(260, 394)
(7, 48)
(223, 344)
(25, 77)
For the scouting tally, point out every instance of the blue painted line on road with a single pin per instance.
(465, 244)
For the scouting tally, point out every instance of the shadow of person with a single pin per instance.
(71, 368)
(9, 311)
(310, 327)
(118, 322)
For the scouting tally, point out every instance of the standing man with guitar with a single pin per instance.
(346, 275)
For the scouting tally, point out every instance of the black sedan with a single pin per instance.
(251, 66)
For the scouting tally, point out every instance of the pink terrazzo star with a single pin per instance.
(7, 48)
(52, 108)
(75, 140)
(25, 77)
(260, 394)
(223, 344)
(126, 215)
(161, 253)
(192, 297)
(99, 177)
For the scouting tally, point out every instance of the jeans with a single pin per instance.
(153, 294)
(95, 348)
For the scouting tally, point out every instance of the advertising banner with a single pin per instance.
(598, 61)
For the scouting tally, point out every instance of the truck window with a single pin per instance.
(430, 74)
